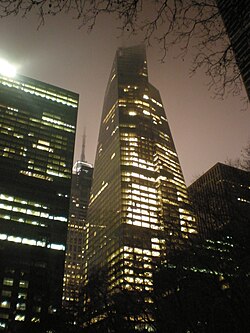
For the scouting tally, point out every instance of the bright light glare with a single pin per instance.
(7, 69)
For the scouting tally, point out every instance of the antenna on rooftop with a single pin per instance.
(83, 145)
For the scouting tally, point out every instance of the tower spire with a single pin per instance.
(83, 145)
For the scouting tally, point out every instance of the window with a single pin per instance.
(8, 282)
(21, 306)
(6, 293)
(4, 316)
(5, 304)
(22, 295)
(20, 317)
(23, 284)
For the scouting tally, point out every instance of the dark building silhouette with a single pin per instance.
(221, 199)
(207, 284)
(210, 278)
(37, 135)
(80, 193)
(139, 210)
(236, 17)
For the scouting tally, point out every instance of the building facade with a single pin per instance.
(210, 278)
(221, 200)
(37, 135)
(139, 210)
(80, 193)
(236, 17)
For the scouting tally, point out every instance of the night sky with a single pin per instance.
(205, 130)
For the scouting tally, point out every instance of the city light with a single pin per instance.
(7, 69)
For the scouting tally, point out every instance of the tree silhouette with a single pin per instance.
(192, 25)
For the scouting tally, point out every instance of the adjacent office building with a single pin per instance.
(236, 17)
(221, 199)
(139, 209)
(80, 193)
(37, 135)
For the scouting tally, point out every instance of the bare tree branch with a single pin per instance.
(192, 25)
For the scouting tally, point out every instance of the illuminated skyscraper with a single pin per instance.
(138, 209)
(37, 135)
(80, 193)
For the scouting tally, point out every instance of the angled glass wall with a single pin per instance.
(139, 209)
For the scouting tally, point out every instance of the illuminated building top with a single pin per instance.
(139, 209)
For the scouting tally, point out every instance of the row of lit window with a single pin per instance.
(156, 119)
(186, 218)
(24, 211)
(135, 158)
(32, 242)
(166, 149)
(32, 212)
(122, 283)
(145, 215)
(22, 284)
(128, 250)
(169, 160)
(164, 164)
(145, 96)
(148, 194)
(48, 123)
(141, 215)
(18, 317)
(41, 144)
(128, 162)
(48, 178)
(243, 200)
(138, 176)
(144, 188)
(143, 224)
(138, 280)
(13, 218)
(57, 122)
(19, 306)
(12, 153)
(34, 90)
(8, 130)
(130, 205)
(36, 175)
(188, 230)
(140, 198)
(129, 136)
(6, 197)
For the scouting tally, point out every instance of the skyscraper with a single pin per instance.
(139, 210)
(79, 200)
(221, 199)
(236, 17)
(37, 134)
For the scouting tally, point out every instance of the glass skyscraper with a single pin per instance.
(139, 209)
(37, 135)
(73, 274)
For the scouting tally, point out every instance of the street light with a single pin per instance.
(6, 69)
